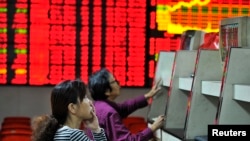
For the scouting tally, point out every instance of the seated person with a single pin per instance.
(104, 89)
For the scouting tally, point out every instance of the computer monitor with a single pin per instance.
(233, 32)
(192, 39)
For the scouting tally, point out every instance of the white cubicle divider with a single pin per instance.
(234, 106)
(164, 68)
(190, 110)
(178, 99)
(203, 107)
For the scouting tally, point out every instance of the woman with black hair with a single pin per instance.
(104, 89)
(70, 107)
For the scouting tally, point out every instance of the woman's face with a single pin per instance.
(114, 84)
(85, 109)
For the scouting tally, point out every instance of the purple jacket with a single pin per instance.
(110, 117)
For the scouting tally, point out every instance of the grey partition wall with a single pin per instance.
(163, 71)
(203, 107)
(158, 105)
(178, 99)
(235, 102)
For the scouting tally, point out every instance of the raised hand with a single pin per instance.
(93, 123)
(156, 87)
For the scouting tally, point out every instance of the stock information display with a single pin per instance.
(45, 41)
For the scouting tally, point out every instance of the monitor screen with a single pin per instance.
(192, 39)
(234, 32)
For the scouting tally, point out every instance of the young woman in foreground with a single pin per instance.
(70, 107)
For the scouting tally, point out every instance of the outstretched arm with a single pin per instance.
(116, 130)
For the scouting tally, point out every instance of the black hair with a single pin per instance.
(99, 84)
(68, 91)
(63, 94)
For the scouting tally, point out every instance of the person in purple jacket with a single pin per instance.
(104, 89)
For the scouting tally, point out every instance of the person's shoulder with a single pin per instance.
(100, 103)
(66, 133)
(103, 107)
(68, 129)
